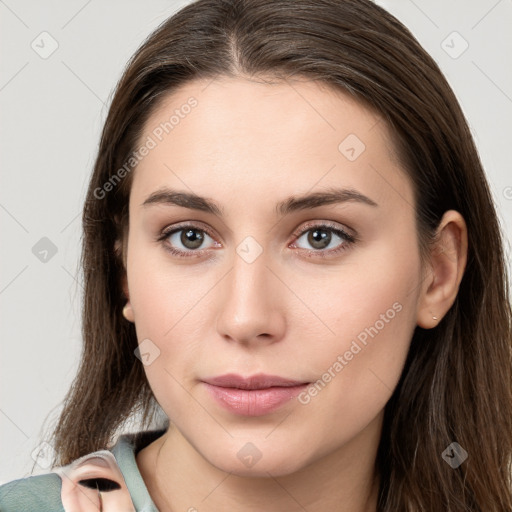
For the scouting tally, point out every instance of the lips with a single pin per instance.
(259, 381)
(255, 395)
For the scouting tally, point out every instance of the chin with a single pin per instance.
(257, 459)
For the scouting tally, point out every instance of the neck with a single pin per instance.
(179, 478)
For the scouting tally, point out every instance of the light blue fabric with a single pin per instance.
(39, 493)
(42, 493)
(125, 455)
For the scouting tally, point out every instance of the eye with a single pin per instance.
(190, 240)
(325, 236)
(185, 240)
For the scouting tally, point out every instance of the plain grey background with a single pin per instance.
(60, 63)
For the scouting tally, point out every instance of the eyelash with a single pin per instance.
(348, 240)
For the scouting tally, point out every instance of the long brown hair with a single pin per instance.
(457, 382)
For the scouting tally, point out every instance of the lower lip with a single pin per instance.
(254, 402)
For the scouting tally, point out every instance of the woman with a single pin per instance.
(290, 247)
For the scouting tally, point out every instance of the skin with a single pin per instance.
(248, 145)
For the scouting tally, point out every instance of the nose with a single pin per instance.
(252, 306)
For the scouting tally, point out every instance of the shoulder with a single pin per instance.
(39, 492)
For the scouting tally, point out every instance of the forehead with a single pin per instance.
(264, 136)
(255, 104)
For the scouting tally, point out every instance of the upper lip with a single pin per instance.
(259, 381)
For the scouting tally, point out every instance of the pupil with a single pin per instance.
(192, 238)
(319, 238)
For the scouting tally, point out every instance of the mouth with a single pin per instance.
(255, 395)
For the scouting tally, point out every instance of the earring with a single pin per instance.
(435, 317)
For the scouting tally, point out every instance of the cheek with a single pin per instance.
(163, 295)
(372, 316)
(167, 303)
(357, 376)
(167, 311)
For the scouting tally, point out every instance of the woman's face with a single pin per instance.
(296, 256)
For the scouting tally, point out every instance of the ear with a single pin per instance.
(448, 259)
(121, 254)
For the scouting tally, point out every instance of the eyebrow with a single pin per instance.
(167, 196)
